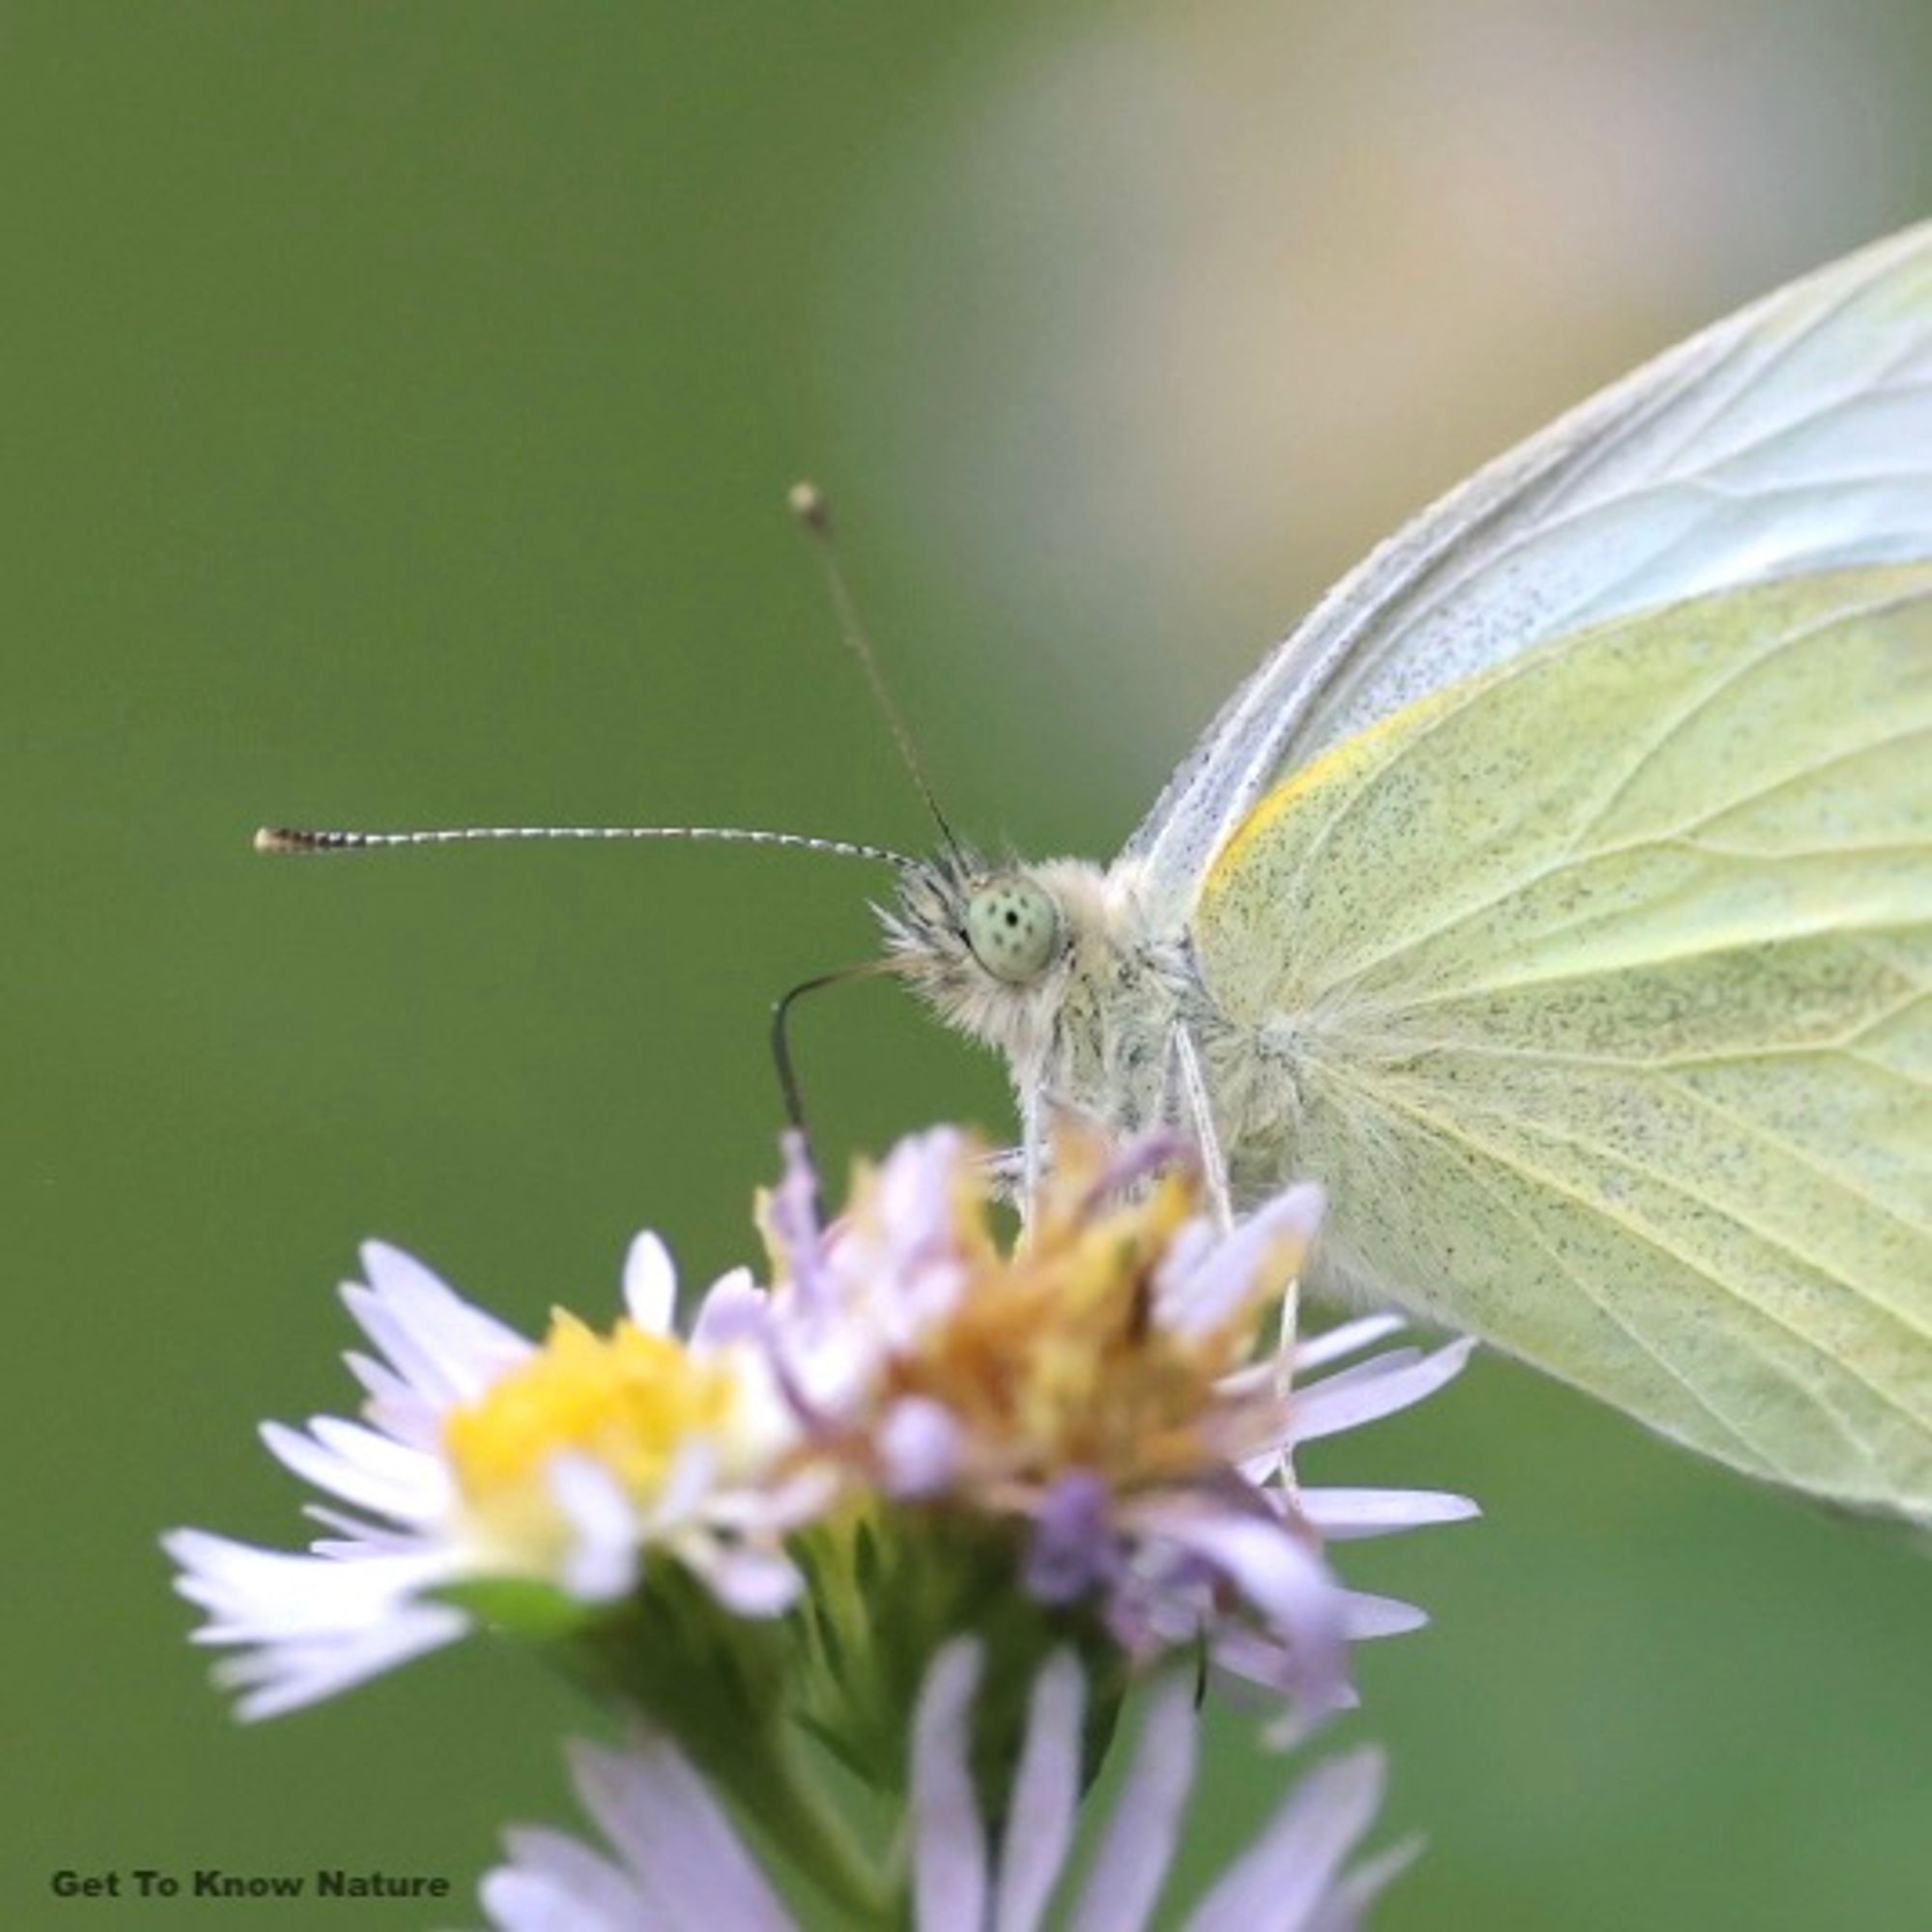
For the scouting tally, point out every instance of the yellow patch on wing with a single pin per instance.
(1338, 766)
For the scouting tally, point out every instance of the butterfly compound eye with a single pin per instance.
(1011, 925)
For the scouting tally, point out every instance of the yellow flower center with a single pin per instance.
(1052, 1357)
(629, 1400)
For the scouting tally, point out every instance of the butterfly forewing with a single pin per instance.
(1794, 438)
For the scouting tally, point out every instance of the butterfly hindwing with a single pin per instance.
(1598, 987)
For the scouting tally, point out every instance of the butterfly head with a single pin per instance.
(985, 944)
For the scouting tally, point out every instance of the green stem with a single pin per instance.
(719, 1686)
(785, 1804)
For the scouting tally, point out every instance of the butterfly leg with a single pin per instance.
(1004, 1169)
(1284, 1389)
(1032, 1149)
(1199, 1115)
(1186, 1060)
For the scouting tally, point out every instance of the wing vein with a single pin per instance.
(1607, 1308)
(1757, 1131)
(1834, 926)
(1673, 1181)
(1680, 836)
(1357, 795)
(1541, 1176)
(1840, 301)
(1687, 713)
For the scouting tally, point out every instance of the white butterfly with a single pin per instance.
(1559, 894)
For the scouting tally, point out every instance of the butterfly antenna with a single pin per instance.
(806, 502)
(291, 839)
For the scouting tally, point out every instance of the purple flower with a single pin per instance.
(674, 1860)
(1106, 1384)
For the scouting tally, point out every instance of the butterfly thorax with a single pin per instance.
(1091, 1028)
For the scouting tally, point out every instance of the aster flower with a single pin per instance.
(679, 1862)
(485, 1463)
(1073, 1444)
(1094, 1389)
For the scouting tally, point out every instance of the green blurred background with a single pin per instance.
(399, 404)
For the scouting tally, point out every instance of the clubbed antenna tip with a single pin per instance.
(285, 838)
(807, 502)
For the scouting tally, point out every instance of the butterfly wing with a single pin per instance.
(1794, 437)
(1598, 989)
